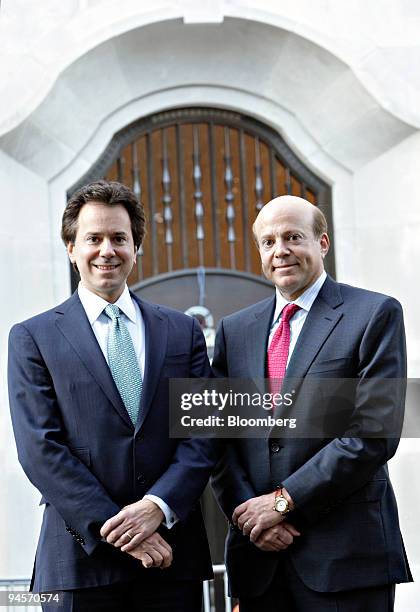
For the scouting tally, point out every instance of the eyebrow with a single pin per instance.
(100, 234)
(289, 230)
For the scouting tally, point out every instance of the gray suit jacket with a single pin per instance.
(345, 505)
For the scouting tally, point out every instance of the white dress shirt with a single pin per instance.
(305, 302)
(101, 324)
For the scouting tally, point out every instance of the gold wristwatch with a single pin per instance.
(281, 504)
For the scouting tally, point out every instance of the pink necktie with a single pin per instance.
(278, 351)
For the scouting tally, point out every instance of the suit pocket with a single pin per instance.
(330, 365)
(176, 358)
(176, 366)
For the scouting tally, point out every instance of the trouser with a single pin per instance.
(287, 593)
(136, 596)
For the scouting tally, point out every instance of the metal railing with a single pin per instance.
(209, 593)
(17, 584)
(209, 598)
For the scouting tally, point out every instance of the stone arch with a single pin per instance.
(298, 76)
(296, 87)
(57, 36)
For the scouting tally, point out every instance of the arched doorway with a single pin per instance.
(203, 174)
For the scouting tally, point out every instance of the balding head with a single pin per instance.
(319, 222)
(291, 237)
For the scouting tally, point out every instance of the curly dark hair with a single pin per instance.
(111, 193)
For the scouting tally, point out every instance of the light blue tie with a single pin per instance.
(122, 361)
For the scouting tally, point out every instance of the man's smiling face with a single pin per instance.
(104, 249)
(291, 256)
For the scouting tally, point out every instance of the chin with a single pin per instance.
(285, 281)
(287, 287)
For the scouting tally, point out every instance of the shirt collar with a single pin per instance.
(305, 300)
(94, 305)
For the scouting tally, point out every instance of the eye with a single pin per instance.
(121, 239)
(92, 239)
(267, 243)
(294, 238)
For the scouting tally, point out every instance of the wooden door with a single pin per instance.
(203, 174)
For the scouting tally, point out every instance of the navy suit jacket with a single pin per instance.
(79, 447)
(345, 505)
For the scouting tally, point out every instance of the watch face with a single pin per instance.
(281, 504)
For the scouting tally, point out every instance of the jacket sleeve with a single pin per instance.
(345, 464)
(62, 478)
(186, 477)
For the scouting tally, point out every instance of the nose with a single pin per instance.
(281, 248)
(107, 250)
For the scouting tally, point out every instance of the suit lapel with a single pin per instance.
(256, 338)
(256, 354)
(74, 325)
(156, 332)
(320, 322)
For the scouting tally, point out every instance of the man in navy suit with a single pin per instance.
(314, 522)
(88, 385)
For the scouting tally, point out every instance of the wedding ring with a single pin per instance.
(246, 524)
(128, 534)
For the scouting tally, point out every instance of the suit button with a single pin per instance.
(141, 479)
(274, 447)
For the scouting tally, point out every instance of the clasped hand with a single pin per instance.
(133, 530)
(265, 527)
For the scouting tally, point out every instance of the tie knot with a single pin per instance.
(289, 311)
(112, 311)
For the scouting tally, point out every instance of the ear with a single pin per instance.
(135, 255)
(324, 243)
(70, 252)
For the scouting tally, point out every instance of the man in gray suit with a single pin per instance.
(314, 522)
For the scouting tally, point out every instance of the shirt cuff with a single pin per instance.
(170, 517)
